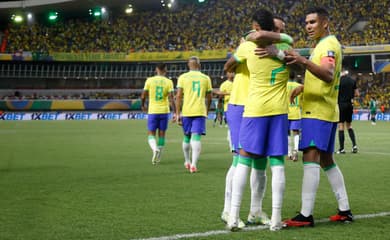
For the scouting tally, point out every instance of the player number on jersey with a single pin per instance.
(196, 87)
(159, 93)
(276, 71)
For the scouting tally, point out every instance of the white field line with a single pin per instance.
(247, 229)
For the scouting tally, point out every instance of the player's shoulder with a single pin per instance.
(246, 45)
(330, 41)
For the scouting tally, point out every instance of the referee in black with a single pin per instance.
(347, 92)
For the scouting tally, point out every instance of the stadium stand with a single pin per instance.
(187, 28)
(191, 28)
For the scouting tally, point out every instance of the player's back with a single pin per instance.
(195, 86)
(158, 87)
(267, 86)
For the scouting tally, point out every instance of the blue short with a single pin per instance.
(294, 124)
(234, 118)
(265, 136)
(195, 125)
(319, 134)
(158, 121)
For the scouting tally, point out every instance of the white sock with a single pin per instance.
(278, 185)
(228, 188)
(196, 146)
(238, 187)
(336, 180)
(296, 142)
(311, 179)
(258, 181)
(152, 142)
(290, 140)
(229, 141)
(186, 151)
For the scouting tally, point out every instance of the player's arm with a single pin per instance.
(262, 36)
(230, 65)
(171, 99)
(208, 101)
(296, 92)
(324, 71)
(220, 93)
(144, 95)
(178, 101)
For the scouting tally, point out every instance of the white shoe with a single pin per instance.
(261, 219)
(158, 157)
(294, 155)
(225, 219)
(234, 225)
(156, 153)
(276, 226)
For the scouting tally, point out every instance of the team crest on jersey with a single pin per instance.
(331, 54)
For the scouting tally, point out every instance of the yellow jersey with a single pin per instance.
(319, 99)
(294, 109)
(226, 87)
(195, 87)
(158, 88)
(267, 95)
(240, 85)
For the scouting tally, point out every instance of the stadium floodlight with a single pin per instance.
(169, 5)
(201, 1)
(29, 16)
(128, 10)
(53, 16)
(17, 18)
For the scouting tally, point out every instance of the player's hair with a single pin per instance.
(292, 75)
(321, 12)
(194, 59)
(161, 66)
(265, 19)
(280, 18)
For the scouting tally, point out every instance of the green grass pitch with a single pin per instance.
(94, 180)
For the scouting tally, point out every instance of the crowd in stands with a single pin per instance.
(376, 87)
(217, 24)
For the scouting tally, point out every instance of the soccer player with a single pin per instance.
(320, 115)
(226, 89)
(235, 108)
(347, 92)
(159, 90)
(194, 88)
(219, 112)
(373, 110)
(234, 114)
(264, 125)
(294, 119)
